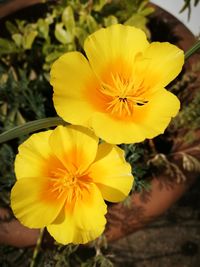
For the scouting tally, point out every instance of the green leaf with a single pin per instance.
(30, 127)
(53, 56)
(7, 46)
(28, 39)
(20, 119)
(17, 38)
(92, 24)
(81, 34)
(138, 21)
(43, 28)
(142, 6)
(68, 19)
(147, 11)
(11, 27)
(62, 35)
(110, 20)
(99, 4)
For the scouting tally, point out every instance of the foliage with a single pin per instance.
(136, 155)
(188, 5)
(65, 27)
(189, 115)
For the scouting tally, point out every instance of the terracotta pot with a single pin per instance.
(144, 206)
(11, 6)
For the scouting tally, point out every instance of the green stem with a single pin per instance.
(30, 127)
(192, 50)
(37, 248)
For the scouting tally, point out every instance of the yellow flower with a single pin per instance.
(119, 91)
(63, 177)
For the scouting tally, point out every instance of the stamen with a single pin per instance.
(124, 95)
(68, 183)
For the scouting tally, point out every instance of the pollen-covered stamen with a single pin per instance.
(68, 183)
(124, 95)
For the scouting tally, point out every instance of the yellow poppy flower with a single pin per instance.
(63, 178)
(119, 91)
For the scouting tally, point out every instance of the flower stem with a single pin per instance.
(30, 127)
(37, 248)
(192, 50)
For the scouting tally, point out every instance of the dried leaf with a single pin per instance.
(190, 163)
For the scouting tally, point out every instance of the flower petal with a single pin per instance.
(111, 173)
(32, 156)
(112, 45)
(157, 113)
(117, 131)
(70, 78)
(32, 202)
(74, 146)
(163, 62)
(83, 222)
(147, 121)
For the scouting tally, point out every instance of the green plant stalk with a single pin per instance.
(192, 50)
(30, 127)
(37, 248)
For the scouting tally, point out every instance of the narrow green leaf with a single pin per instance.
(92, 24)
(11, 27)
(81, 34)
(30, 127)
(192, 50)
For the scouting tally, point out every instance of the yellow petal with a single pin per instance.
(32, 203)
(32, 156)
(115, 44)
(71, 76)
(117, 131)
(147, 121)
(74, 146)
(83, 222)
(163, 62)
(111, 173)
(157, 113)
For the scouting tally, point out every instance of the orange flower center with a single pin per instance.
(70, 184)
(123, 95)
